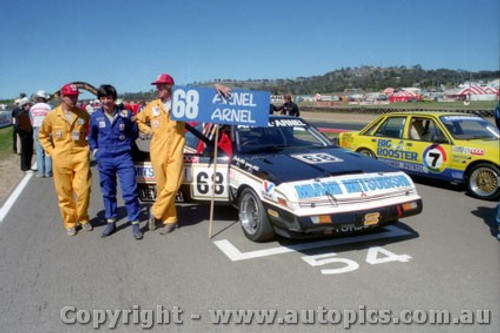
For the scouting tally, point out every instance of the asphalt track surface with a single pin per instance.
(445, 259)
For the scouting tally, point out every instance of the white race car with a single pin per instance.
(288, 179)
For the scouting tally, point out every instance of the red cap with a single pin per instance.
(164, 79)
(69, 89)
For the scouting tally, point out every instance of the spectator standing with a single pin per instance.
(142, 105)
(25, 132)
(62, 136)
(38, 112)
(16, 145)
(289, 108)
(272, 108)
(166, 151)
(135, 107)
(89, 108)
(128, 106)
(112, 133)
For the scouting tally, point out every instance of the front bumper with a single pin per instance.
(289, 225)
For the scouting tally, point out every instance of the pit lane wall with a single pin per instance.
(375, 110)
(4, 119)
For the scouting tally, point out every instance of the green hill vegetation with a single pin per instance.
(364, 78)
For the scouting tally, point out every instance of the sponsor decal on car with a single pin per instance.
(286, 123)
(386, 148)
(412, 167)
(469, 150)
(245, 164)
(191, 159)
(145, 173)
(434, 158)
(339, 186)
(268, 189)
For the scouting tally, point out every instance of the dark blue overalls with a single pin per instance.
(114, 157)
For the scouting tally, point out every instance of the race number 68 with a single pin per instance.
(185, 104)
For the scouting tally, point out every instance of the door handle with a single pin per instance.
(409, 144)
(374, 140)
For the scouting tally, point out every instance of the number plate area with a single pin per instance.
(147, 193)
(371, 218)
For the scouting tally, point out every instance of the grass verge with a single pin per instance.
(5, 142)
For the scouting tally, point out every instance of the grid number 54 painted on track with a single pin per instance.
(344, 265)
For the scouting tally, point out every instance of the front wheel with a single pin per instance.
(483, 181)
(253, 218)
(366, 152)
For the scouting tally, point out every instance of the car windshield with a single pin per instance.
(282, 133)
(470, 128)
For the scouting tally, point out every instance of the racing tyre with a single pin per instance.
(483, 181)
(366, 152)
(253, 218)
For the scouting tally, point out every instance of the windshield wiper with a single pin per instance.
(332, 198)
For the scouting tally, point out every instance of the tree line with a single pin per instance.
(364, 78)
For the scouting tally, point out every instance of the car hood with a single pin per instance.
(290, 165)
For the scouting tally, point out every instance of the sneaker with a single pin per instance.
(87, 226)
(136, 230)
(110, 228)
(71, 231)
(168, 228)
(151, 220)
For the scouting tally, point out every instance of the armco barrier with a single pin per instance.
(5, 119)
(375, 110)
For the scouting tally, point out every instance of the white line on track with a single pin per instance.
(13, 197)
(236, 255)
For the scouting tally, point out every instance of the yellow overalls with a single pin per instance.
(166, 151)
(65, 141)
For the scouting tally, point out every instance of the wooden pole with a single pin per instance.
(214, 177)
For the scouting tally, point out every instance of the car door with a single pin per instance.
(388, 139)
(199, 167)
(431, 149)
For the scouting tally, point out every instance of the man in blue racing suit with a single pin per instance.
(112, 132)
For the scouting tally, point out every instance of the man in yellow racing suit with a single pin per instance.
(166, 151)
(63, 137)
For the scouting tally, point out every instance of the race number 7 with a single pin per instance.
(185, 104)
(435, 157)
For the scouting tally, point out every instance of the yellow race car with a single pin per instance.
(455, 147)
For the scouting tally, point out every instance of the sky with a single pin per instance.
(127, 43)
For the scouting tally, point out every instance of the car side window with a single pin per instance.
(392, 127)
(191, 140)
(369, 131)
(425, 129)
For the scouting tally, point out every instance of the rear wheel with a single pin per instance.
(366, 152)
(483, 181)
(253, 218)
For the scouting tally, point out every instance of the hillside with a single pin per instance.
(365, 78)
